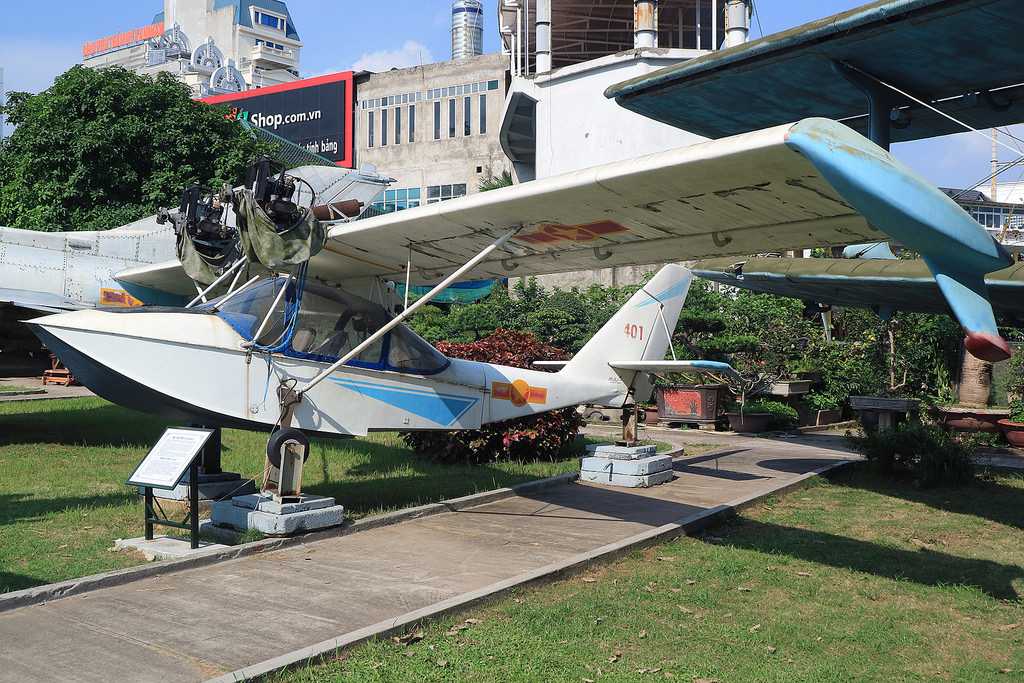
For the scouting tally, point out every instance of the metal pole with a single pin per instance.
(714, 24)
(270, 313)
(697, 7)
(408, 278)
(397, 320)
(193, 501)
(224, 276)
(149, 512)
(238, 291)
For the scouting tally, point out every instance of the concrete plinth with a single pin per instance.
(622, 452)
(262, 513)
(627, 480)
(641, 467)
(628, 466)
(165, 547)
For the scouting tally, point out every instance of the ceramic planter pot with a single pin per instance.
(751, 423)
(963, 419)
(1013, 431)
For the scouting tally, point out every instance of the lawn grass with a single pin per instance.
(63, 465)
(15, 389)
(857, 578)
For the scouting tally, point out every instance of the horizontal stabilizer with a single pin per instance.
(664, 366)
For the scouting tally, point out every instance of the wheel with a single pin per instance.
(282, 437)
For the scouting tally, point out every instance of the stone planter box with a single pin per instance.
(689, 403)
(964, 419)
(1013, 431)
(876, 412)
(751, 423)
(791, 387)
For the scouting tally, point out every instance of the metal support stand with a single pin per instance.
(210, 455)
(191, 521)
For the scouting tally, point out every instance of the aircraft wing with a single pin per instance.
(39, 301)
(881, 285)
(812, 183)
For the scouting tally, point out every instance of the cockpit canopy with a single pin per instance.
(330, 323)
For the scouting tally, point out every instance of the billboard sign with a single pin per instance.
(133, 37)
(314, 113)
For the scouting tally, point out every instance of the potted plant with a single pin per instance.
(760, 415)
(820, 408)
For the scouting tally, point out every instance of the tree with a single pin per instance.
(101, 148)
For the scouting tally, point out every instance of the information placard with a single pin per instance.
(169, 459)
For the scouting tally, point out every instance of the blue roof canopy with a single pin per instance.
(960, 55)
(243, 16)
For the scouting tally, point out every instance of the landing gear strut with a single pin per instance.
(630, 420)
(287, 452)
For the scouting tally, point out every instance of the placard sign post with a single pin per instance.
(176, 453)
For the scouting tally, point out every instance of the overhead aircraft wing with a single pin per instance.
(932, 49)
(881, 285)
(39, 301)
(812, 183)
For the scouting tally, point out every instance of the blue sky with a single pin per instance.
(39, 40)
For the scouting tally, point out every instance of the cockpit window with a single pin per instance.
(331, 323)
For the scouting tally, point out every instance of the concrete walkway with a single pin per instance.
(263, 611)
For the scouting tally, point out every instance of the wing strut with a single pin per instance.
(401, 317)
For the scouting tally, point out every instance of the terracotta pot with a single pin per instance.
(963, 419)
(1013, 431)
(751, 423)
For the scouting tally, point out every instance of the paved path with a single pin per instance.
(208, 621)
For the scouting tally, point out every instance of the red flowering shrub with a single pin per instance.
(543, 436)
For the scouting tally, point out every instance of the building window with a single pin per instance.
(451, 118)
(383, 127)
(390, 201)
(398, 125)
(437, 119)
(371, 125)
(442, 193)
(412, 123)
(483, 115)
(467, 116)
(492, 85)
(264, 19)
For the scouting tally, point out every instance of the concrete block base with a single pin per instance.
(627, 480)
(622, 452)
(641, 467)
(165, 547)
(261, 513)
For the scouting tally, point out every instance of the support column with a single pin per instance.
(543, 36)
(645, 23)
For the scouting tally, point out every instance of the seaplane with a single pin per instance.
(315, 345)
(312, 347)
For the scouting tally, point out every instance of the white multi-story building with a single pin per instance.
(214, 46)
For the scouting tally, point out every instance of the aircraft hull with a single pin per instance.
(192, 368)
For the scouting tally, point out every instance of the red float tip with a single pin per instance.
(990, 347)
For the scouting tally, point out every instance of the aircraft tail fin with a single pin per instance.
(640, 331)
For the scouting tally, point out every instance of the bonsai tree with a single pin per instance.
(1015, 388)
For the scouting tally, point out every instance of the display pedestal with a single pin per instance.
(262, 513)
(626, 466)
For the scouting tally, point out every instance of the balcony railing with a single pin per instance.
(272, 57)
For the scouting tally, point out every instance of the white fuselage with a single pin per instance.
(193, 366)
